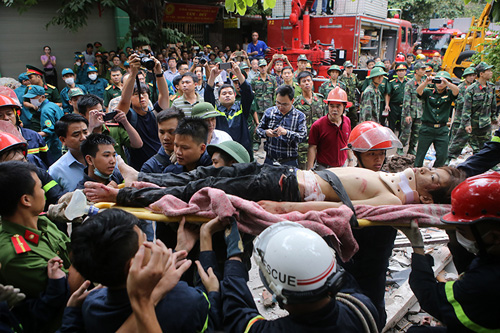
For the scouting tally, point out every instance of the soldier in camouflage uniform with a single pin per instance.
(302, 62)
(334, 72)
(351, 83)
(371, 98)
(394, 98)
(479, 112)
(312, 105)
(412, 110)
(382, 88)
(264, 87)
(469, 76)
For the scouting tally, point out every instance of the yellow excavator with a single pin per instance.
(462, 48)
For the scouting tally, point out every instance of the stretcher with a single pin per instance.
(145, 214)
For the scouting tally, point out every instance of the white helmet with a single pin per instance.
(296, 264)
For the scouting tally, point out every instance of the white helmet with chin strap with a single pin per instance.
(296, 264)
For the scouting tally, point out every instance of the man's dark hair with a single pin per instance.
(90, 146)
(88, 101)
(16, 180)
(115, 56)
(180, 63)
(443, 195)
(115, 69)
(172, 58)
(285, 90)
(287, 67)
(62, 125)
(226, 85)
(90, 45)
(228, 159)
(144, 88)
(176, 80)
(369, 61)
(387, 59)
(194, 127)
(168, 114)
(103, 245)
(191, 75)
(303, 75)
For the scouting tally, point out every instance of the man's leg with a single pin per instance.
(415, 129)
(425, 137)
(275, 183)
(441, 146)
(353, 116)
(303, 147)
(458, 143)
(404, 136)
(479, 137)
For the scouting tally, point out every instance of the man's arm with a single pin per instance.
(453, 87)
(312, 150)
(128, 85)
(421, 87)
(350, 158)
(133, 135)
(161, 83)
(263, 126)
(301, 131)
(467, 111)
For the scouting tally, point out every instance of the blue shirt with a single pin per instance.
(25, 113)
(67, 108)
(97, 87)
(261, 47)
(235, 120)
(153, 165)
(50, 113)
(284, 146)
(67, 172)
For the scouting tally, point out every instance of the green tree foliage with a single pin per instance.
(240, 6)
(491, 55)
(421, 11)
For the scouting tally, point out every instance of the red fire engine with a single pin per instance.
(333, 39)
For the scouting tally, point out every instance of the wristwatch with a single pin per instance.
(159, 75)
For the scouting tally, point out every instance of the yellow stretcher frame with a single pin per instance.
(145, 214)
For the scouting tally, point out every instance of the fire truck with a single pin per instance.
(357, 31)
(437, 39)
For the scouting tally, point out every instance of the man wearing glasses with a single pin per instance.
(284, 127)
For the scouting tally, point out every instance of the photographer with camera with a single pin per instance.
(436, 104)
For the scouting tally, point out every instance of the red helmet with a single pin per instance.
(7, 101)
(6, 91)
(370, 135)
(475, 199)
(338, 94)
(400, 58)
(9, 141)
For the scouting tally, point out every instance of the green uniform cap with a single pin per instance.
(483, 67)
(262, 62)
(232, 148)
(419, 65)
(380, 64)
(443, 74)
(334, 68)
(348, 64)
(302, 57)
(376, 71)
(469, 70)
(204, 110)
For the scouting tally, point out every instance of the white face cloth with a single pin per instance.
(469, 245)
(92, 76)
(36, 103)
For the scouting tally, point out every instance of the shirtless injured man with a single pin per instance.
(282, 189)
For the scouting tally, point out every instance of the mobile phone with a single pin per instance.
(436, 80)
(109, 116)
(279, 56)
(225, 65)
(238, 53)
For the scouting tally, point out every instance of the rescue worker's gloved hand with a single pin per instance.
(11, 295)
(233, 239)
(55, 213)
(413, 234)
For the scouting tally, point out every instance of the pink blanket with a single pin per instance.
(334, 222)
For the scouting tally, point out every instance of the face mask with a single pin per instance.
(469, 245)
(100, 174)
(92, 76)
(69, 81)
(36, 103)
(78, 63)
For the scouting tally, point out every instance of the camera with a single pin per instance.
(203, 61)
(436, 80)
(147, 62)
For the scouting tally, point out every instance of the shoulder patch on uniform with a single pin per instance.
(50, 86)
(20, 245)
(108, 87)
(150, 84)
(48, 123)
(392, 80)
